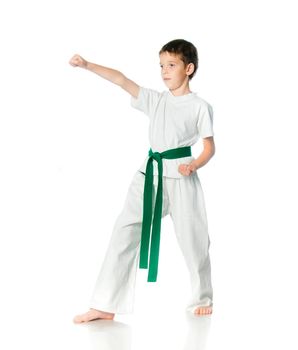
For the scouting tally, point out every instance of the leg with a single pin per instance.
(187, 210)
(114, 287)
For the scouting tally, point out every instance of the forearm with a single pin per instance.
(110, 74)
(204, 157)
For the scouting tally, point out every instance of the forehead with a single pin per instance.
(169, 57)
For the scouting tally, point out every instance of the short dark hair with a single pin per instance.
(187, 51)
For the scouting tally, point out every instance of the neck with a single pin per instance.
(180, 92)
(183, 89)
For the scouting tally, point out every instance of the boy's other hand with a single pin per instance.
(187, 169)
(78, 61)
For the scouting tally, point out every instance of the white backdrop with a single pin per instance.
(70, 143)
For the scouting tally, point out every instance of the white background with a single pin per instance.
(70, 143)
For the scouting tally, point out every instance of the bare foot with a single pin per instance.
(93, 314)
(203, 310)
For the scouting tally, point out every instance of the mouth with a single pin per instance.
(166, 79)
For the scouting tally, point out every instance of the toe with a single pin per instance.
(203, 310)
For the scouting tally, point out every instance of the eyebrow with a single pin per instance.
(170, 61)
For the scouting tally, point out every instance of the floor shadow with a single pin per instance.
(113, 335)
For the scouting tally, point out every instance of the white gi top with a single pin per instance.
(174, 121)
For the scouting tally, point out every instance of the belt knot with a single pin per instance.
(155, 155)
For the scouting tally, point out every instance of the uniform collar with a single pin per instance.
(181, 98)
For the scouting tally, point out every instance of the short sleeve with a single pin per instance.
(205, 121)
(146, 100)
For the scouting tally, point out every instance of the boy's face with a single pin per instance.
(173, 71)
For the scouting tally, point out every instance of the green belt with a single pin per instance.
(147, 209)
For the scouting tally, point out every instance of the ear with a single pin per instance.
(190, 68)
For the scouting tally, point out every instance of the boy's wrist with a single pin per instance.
(195, 164)
(87, 65)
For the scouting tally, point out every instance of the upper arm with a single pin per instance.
(130, 86)
(146, 99)
(205, 120)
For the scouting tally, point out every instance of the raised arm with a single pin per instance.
(110, 74)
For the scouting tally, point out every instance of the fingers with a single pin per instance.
(77, 61)
(186, 169)
(73, 61)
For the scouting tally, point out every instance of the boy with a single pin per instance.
(178, 117)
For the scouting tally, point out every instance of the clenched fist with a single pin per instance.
(187, 169)
(78, 61)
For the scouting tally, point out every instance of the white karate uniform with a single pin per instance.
(175, 121)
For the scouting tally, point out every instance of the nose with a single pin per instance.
(164, 70)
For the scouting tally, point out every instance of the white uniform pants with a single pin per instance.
(183, 199)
